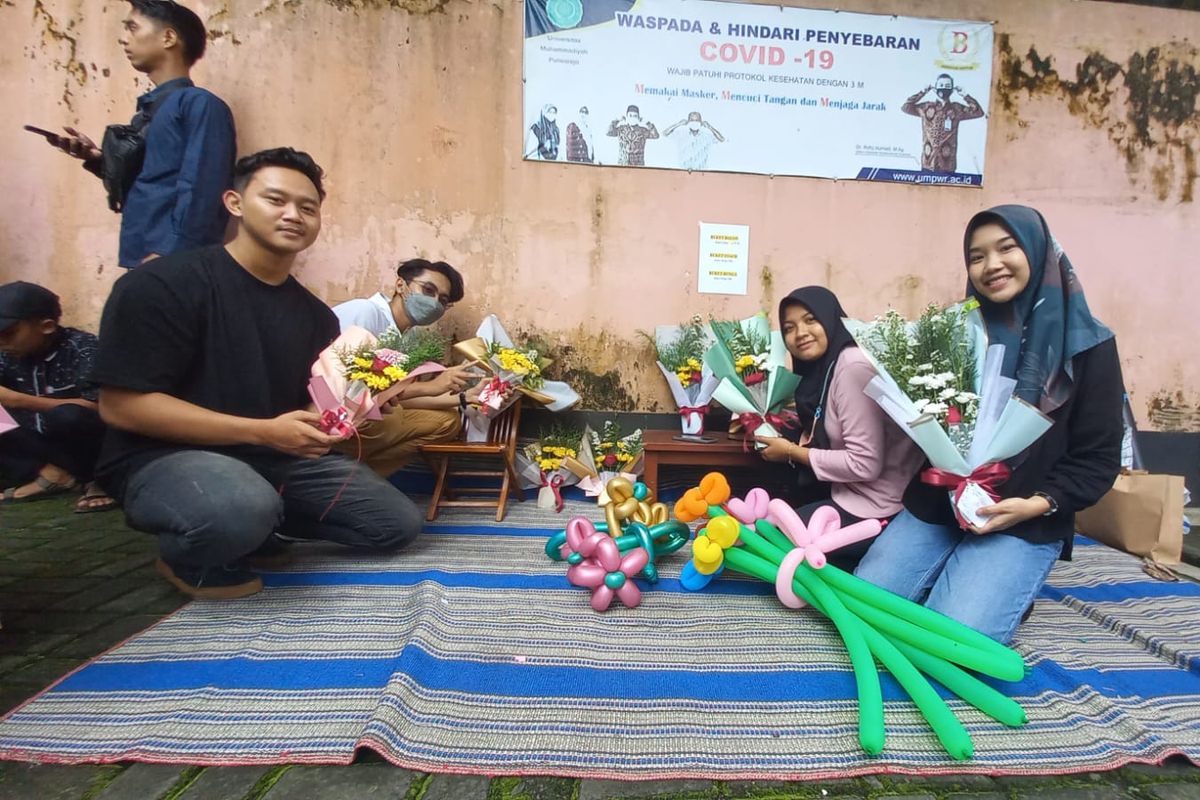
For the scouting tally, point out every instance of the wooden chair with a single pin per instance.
(501, 444)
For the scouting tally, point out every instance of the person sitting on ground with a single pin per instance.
(203, 369)
(45, 384)
(847, 452)
(1065, 364)
(423, 292)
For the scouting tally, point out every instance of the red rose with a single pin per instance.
(379, 364)
(697, 377)
(610, 460)
(754, 377)
(953, 416)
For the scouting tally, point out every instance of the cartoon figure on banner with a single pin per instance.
(940, 117)
(580, 146)
(693, 141)
(632, 135)
(542, 139)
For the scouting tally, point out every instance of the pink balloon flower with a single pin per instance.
(823, 534)
(607, 573)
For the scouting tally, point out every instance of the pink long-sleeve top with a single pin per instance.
(870, 460)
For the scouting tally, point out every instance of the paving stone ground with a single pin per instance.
(73, 586)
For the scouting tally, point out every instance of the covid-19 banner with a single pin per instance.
(734, 87)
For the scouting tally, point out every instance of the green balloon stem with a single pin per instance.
(907, 638)
(773, 535)
(870, 696)
(918, 637)
(1008, 664)
(966, 686)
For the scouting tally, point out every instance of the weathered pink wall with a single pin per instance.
(414, 109)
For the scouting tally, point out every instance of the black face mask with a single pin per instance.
(945, 92)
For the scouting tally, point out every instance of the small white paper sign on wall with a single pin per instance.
(724, 258)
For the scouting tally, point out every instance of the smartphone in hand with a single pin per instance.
(48, 134)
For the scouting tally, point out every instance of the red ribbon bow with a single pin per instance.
(555, 483)
(336, 422)
(751, 420)
(493, 389)
(987, 477)
(687, 411)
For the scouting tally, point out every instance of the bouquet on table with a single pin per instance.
(680, 352)
(358, 373)
(605, 454)
(941, 383)
(756, 383)
(543, 464)
(514, 369)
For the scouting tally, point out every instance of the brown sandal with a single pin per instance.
(94, 501)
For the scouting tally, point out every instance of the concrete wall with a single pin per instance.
(414, 109)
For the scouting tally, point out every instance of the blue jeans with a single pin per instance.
(210, 509)
(985, 582)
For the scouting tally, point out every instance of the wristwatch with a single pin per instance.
(1050, 500)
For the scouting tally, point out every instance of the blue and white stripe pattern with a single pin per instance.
(471, 653)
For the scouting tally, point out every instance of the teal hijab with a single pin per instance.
(1048, 323)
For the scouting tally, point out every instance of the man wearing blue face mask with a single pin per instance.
(424, 290)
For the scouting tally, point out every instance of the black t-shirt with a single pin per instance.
(199, 327)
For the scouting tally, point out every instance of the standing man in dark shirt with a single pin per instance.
(175, 202)
(203, 366)
(45, 385)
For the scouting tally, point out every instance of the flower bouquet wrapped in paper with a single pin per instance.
(357, 374)
(604, 455)
(756, 383)
(941, 383)
(513, 369)
(542, 464)
(680, 352)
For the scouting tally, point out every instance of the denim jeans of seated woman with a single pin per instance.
(983, 581)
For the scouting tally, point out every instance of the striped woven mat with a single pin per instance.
(471, 653)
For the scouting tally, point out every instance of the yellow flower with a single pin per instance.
(364, 363)
(516, 362)
(376, 382)
(395, 373)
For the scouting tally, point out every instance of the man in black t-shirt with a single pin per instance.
(203, 365)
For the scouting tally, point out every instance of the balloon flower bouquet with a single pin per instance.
(764, 538)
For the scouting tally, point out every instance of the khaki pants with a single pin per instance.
(390, 443)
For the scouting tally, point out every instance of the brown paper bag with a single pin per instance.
(1142, 514)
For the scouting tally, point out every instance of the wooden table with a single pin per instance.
(661, 447)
